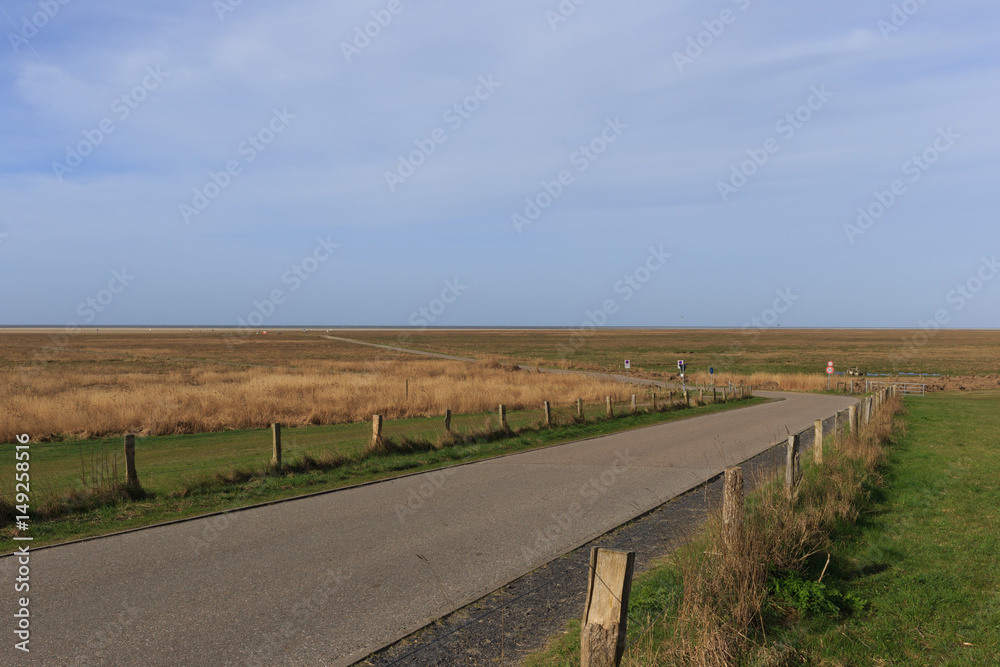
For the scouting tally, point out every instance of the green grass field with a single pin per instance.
(927, 558)
(166, 463)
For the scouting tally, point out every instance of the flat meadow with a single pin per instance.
(166, 383)
(163, 382)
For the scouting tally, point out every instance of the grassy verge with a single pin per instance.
(927, 558)
(733, 602)
(232, 471)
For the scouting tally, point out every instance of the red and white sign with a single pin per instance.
(829, 364)
(829, 370)
(628, 363)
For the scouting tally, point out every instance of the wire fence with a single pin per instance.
(671, 524)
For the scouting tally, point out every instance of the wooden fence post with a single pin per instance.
(791, 465)
(687, 401)
(852, 419)
(610, 411)
(276, 441)
(503, 417)
(836, 427)
(447, 421)
(605, 615)
(579, 408)
(715, 397)
(376, 431)
(548, 415)
(732, 508)
(131, 476)
(701, 396)
(654, 401)
(818, 441)
(635, 407)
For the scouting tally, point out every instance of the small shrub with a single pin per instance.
(812, 598)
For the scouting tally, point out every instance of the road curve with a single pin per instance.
(328, 579)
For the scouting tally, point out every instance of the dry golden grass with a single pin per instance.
(779, 381)
(92, 402)
(725, 586)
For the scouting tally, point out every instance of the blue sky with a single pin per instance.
(218, 154)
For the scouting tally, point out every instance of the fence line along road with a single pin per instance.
(329, 579)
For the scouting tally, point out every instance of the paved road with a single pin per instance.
(407, 350)
(328, 579)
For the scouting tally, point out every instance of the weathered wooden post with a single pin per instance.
(701, 396)
(852, 419)
(687, 401)
(654, 401)
(276, 441)
(635, 407)
(548, 415)
(447, 421)
(579, 408)
(818, 441)
(503, 417)
(791, 465)
(732, 508)
(715, 398)
(836, 427)
(131, 476)
(605, 614)
(376, 431)
(610, 411)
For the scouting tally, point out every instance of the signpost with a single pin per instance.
(681, 366)
(829, 372)
(628, 365)
(711, 374)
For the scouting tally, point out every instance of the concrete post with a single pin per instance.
(503, 417)
(635, 407)
(131, 476)
(701, 396)
(376, 431)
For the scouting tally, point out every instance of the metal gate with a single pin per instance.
(906, 388)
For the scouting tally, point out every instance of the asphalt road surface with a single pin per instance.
(328, 579)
